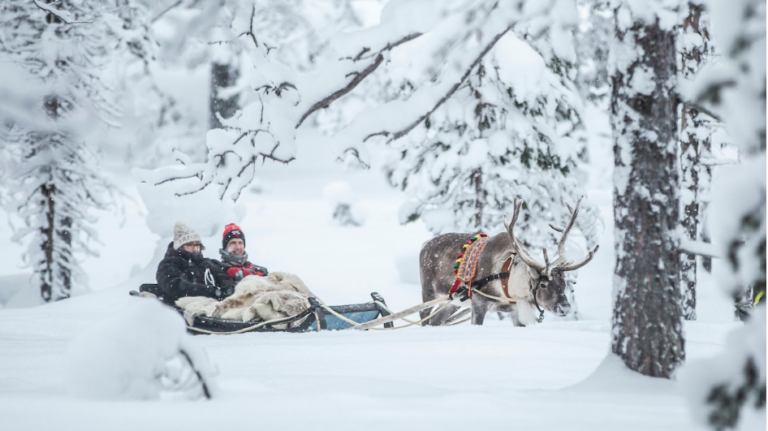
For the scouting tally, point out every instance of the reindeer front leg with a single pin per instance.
(478, 311)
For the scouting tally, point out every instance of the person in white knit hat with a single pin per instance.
(185, 272)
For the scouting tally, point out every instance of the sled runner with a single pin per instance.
(315, 318)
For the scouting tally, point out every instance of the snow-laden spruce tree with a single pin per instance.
(647, 326)
(592, 42)
(54, 184)
(511, 130)
(729, 392)
(696, 129)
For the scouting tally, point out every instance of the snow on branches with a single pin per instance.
(283, 98)
(513, 129)
(734, 90)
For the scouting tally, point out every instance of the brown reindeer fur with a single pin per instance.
(275, 296)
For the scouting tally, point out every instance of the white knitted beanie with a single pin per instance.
(183, 234)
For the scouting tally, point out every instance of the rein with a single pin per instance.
(536, 303)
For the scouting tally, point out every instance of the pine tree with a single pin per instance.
(592, 42)
(647, 327)
(695, 146)
(54, 184)
(734, 89)
(499, 137)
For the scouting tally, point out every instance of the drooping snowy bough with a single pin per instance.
(284, 99)
(729, 391)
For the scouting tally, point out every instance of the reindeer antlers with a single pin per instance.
(560, 262)
(589, 257)
(519, 249)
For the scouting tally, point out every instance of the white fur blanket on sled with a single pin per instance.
(275, 296)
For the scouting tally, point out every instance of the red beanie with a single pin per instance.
(231, 231)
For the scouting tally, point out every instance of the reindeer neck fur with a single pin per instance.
(497, 251)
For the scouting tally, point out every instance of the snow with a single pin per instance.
(121, 357)
(86, 363)
(498, 374)
(701, 376)
(338, 192)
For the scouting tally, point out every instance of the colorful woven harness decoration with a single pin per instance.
(466, 262)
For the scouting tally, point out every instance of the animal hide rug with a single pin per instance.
(275, 296)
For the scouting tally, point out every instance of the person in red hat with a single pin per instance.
(233, 255)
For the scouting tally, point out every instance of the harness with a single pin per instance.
(466, 268)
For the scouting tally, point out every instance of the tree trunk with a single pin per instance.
(46, 245)
(222, 76)
(690, 165)
(55, 275)
(477, 180)
(647, 325)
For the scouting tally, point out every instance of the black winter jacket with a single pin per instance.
(182, 273)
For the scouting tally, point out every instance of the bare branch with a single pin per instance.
(168, 9)
(379, 58)
(400, 133)
(250, 31)
(47, 8)
(700, 108)
(357, 156)
(556, 228)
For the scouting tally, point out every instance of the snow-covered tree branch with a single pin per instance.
(283, 98)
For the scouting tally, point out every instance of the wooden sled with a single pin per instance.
(313, 319)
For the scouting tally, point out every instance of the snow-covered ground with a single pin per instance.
(556, 375)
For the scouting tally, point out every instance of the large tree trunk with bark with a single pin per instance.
(647, 325)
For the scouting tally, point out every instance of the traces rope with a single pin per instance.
(410, 323)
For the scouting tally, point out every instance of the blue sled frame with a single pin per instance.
(313, 317)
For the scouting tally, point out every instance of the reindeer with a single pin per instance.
(529, 284)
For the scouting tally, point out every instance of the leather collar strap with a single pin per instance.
(505, 269)
(503, 276)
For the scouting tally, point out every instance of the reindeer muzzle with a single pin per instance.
(562, 310)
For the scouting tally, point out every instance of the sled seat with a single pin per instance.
(310, 319)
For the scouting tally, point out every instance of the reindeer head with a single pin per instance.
(548, 283)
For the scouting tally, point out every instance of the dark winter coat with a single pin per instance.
(182, 273)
